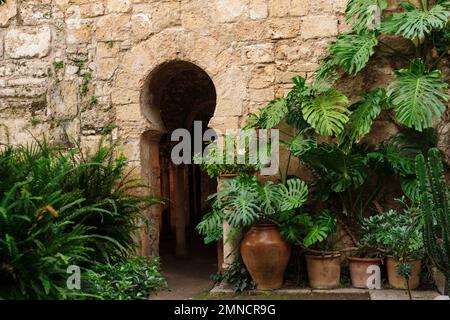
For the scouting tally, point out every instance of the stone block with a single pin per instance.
(27, 42)
(118, 6)
(113, 27)
(258, 9)
(319, 26)
(229, 10)
(7, 12)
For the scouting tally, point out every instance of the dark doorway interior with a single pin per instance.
(184, 94)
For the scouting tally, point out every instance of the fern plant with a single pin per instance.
(435, 204)
(62, 207)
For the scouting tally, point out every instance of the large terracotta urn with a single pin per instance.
(266, 255)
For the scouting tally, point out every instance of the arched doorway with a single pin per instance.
(178, 94)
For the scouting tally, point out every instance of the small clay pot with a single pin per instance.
(397, 281)
(324, 271)
(358, 270)
(266, 255)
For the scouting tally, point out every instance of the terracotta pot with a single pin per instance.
(397, 281)
(324, 271)
(439, 280)
(266, 255)
(358, 270)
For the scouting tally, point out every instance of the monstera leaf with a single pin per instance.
(327, 113)
(341, 170)
(352, 51)
(415, 23)
(362, 14)
(269, 116)
(211, 226)
(301, 144)
(418, 96)
(293, 194)
(242, 209)
(324, 225)
(364, 112)
(270, 198)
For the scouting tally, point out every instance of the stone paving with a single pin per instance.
(360, 294)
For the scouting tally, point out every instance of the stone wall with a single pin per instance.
(76, 68)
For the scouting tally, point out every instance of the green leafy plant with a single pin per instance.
(237, 276)
(222, 159)
(38, 241)
(418, 94)
(61, 207)
(244, 201)
(320, 231)
(57, 64)
(435, 204)
(399, 235)
(134, 279)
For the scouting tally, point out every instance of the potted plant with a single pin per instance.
(267, 212)
(399, 236)
(360, 262)
(220, 161)
(323, 263)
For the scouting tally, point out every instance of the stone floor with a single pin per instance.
(189, 279)
(189, 276)
(223, 291)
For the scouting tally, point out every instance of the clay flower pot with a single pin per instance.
(397, 281)
(266, 255)
(324, 271)
(358, 270)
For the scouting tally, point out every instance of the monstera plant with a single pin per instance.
(270, 213)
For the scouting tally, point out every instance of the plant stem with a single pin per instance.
(287, 168)
(408, 288)
(439, 59)
(421, 5)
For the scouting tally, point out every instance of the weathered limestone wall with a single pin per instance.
(77, 69)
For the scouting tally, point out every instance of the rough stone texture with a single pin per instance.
(72, 69)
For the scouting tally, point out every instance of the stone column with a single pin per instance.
(150, 173)
(230, 251)
(179, 199)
